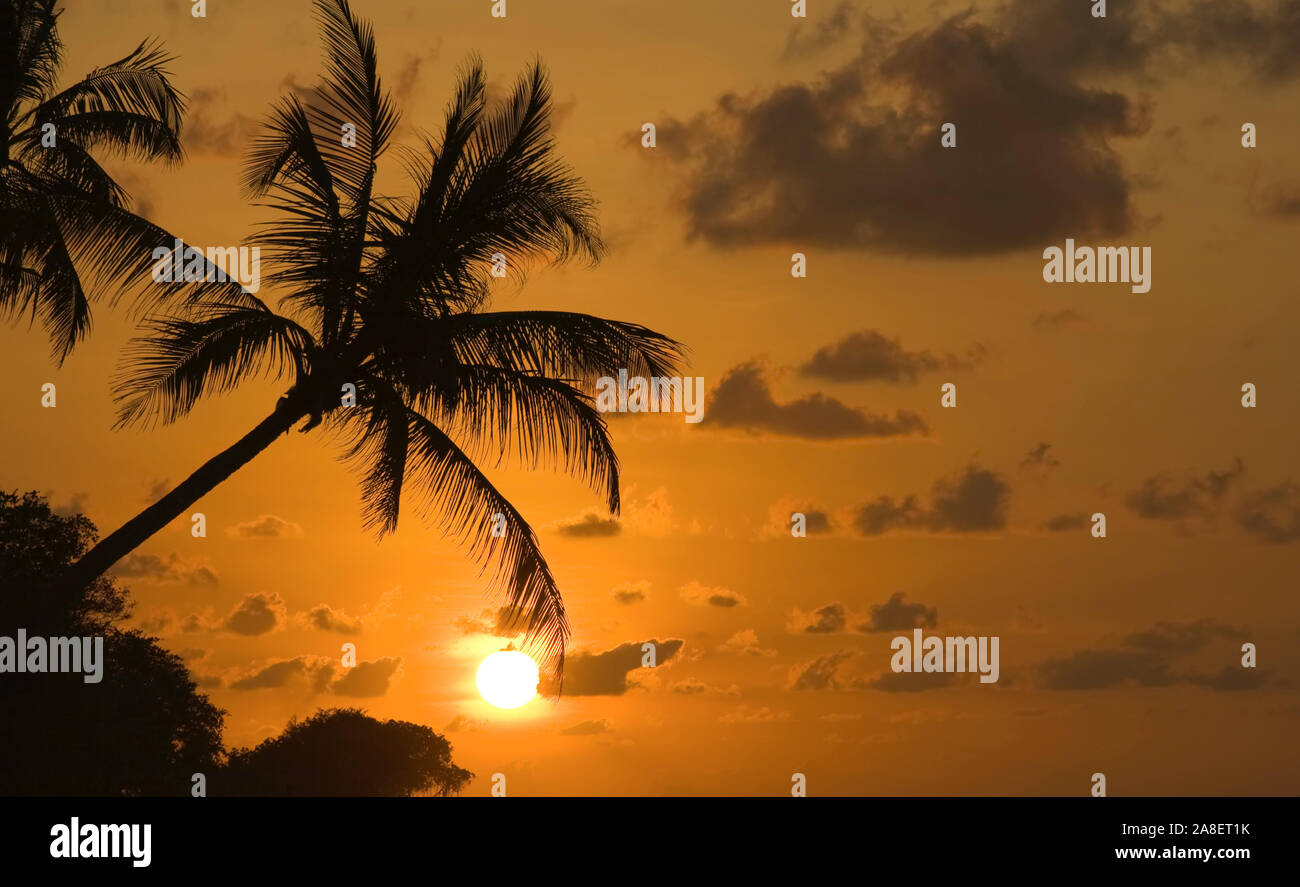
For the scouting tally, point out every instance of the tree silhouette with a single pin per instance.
(58, 206)
(143, 729)
(386, 294)
(342, 752)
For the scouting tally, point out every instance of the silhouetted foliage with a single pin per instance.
(143, 729)
(61, 213)
(344, 753)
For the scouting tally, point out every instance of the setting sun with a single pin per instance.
(507, 679)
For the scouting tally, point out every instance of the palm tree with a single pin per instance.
(58, 206)
(388, 295)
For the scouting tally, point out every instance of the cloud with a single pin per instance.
(173, 568)
(213, 126)
(504, 622)
(1281, 200)
(753, 715)
(75, 505)
(1055, 319)
(465, 724)
(1161, 498)
(702, 595)
(1064, 522)
(869, 356)
(606, 674)
(1039, 457)
(588, 728)
(1175, 638)
(317, 671)
(694, 687)
(590, 525)
(256, 614)
(1146, 658)
(630, 592)
(971, 501)
(743, 400)
(819, 674)
(907, 682)
(829, 619)
(894, 615)
(266, 526)
(853, 160)
(323, 617)
(1263, 40)
(367, 679)
(809, 38)
(744, 643)
(1272, 515)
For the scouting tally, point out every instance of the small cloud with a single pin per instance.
(465, 724)
(702, 595)
(1040, 457)
(1062, 318)
(829, 619)
(1064, 522)
(588, 728)
(751, 715)
(590, 525)
(631, 592)
(266, 526)
(316, 671)
(367, 679)
(323, 617)
(256, 614)
(973, 500)
(606, 674)
(894, 615)
(869, 356)
(172, 568)
(744, 643)
(744, 401)
(820, 673)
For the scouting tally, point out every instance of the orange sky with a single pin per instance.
(1137, 395)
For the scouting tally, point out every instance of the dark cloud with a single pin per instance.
(818, 33)
(894, 615)
(256, 614)
(1162, 498)
(1263, 39)
(907, 682)
(703, 595)
(743, 400)
(588, 728)
(1095, 669)
(367, 679)
(465, 724)
(1039, 457)
(605, 674)
(1176, 638)
(1064, 317)
(323, 617)
(868, 355)
(973, 500)
(631, 592)
(315, 670)
(1280, 200)
(504, 622)
(213, 126)
(1147, 658)
(828, 620)
(820, 674)
(1064, 522)
(266, 526)
(833, 163)
(590, 525)
(1272, 515)
(172, 568)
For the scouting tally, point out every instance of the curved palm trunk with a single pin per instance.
(134, 532)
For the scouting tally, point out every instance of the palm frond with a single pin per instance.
(164, 373)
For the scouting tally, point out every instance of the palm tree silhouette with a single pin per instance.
(390, 295)
(58, 206)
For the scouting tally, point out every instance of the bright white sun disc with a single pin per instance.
(507, 679)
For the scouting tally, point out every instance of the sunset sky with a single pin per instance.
(778, 135)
